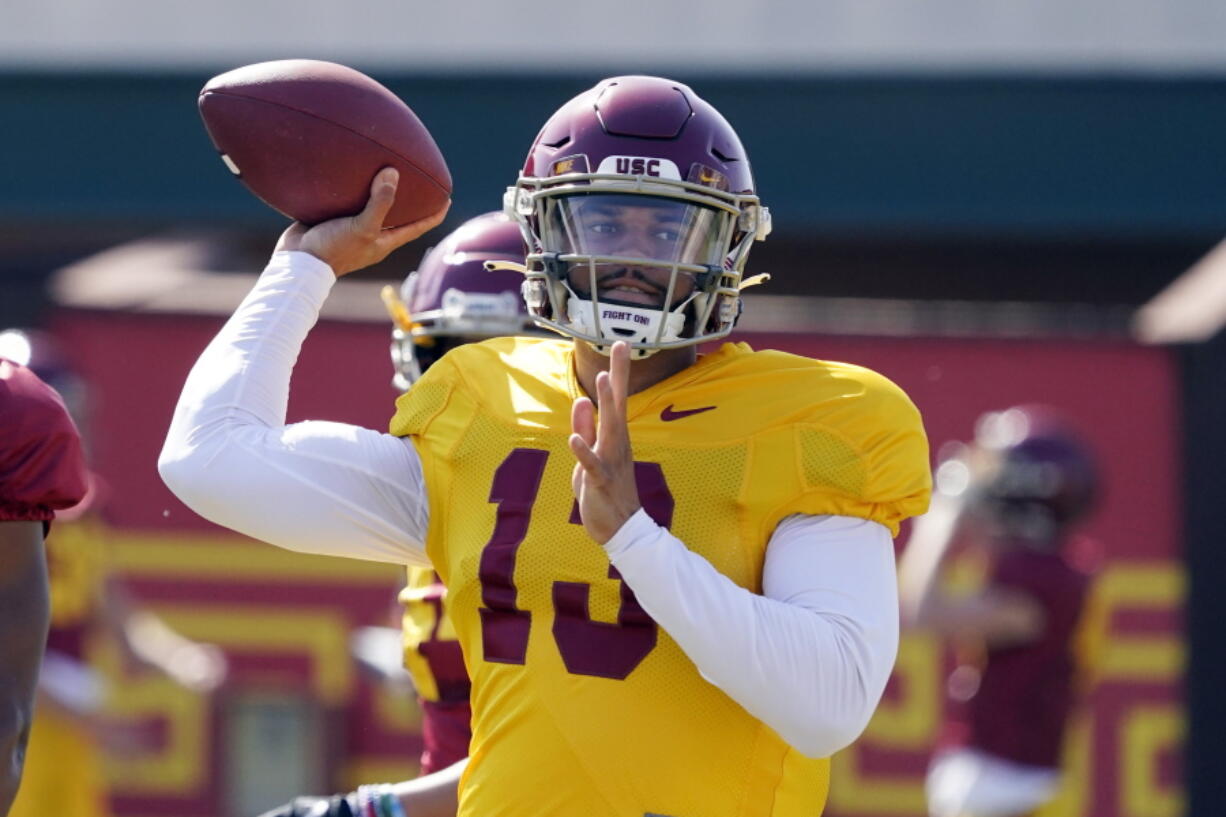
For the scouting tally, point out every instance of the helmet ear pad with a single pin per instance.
(740, 307)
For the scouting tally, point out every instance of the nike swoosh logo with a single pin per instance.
(668, 415)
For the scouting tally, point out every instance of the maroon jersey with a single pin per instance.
(446, 729)
(433, 657)
(42, 469)
(1018, 709)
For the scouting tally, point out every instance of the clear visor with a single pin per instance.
(624, 225)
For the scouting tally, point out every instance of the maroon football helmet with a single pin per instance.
(452, 299)
(42, 354)
(1028, 473)
(638, 198)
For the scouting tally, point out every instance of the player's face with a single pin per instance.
(635, 232)
(659, 231)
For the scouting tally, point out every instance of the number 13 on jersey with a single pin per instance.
(587, 647)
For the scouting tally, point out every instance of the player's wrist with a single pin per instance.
(638, 528)
(617, 520)
(301, 265)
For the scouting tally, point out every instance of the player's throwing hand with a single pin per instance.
(603, 478)
(352, 242)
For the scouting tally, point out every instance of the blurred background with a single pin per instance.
(989, 202)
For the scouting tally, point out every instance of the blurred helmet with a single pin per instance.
(42, 354)
(1029, 473)
(452, 299)
(639, 202)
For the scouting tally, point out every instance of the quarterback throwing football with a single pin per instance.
(672, 575)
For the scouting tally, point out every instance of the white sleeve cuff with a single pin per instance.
(308, 269)
(636, 530)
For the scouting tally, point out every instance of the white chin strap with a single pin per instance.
(633, 324)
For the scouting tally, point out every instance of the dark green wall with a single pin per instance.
(951, 156)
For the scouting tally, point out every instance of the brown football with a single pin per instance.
(307, 137)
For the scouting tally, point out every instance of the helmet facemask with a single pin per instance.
(650, 261)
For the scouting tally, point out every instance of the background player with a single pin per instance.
(71, 728)
(1013, 496)
(721, 593)
(452, 299)
(42, 470)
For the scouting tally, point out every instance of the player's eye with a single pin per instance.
(667, 230)
(603, 228)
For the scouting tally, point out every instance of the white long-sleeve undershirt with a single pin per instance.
(809, 658)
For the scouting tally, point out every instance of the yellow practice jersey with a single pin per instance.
(63, 770)
(582, 706)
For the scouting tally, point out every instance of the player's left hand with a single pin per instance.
(603, 478)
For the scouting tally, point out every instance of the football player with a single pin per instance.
(70, 728)
(671, 575)
(1012, 496)
(42, 470)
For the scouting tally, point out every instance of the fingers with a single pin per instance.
(576, 479)
(619, 373)
(612, 435)
(582, 421)
(587, 459)
(583, 441)
(601, 442)
(382, 197)
(606, 417)
(399, 236)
